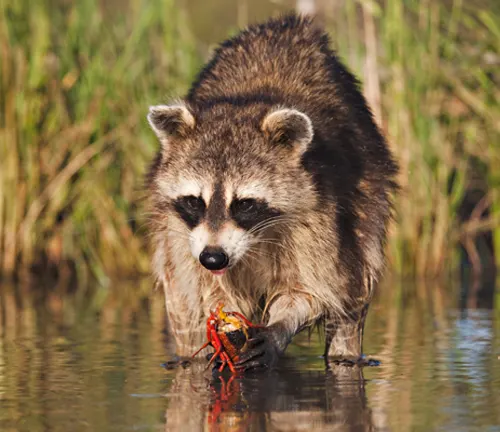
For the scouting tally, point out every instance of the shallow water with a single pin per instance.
(93, 362)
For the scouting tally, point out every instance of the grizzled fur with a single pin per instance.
(276, 117)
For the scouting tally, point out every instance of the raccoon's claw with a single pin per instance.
(261, 353)
(361, 361)
(173, 364)
(251, 365)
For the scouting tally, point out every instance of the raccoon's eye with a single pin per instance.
(194, 203)
(244, 205)
(191, 209)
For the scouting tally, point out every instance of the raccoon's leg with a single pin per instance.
(344, 335)
(185, 324)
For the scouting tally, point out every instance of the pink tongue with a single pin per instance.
(218, 272)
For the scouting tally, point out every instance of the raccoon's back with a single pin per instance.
(281, 61)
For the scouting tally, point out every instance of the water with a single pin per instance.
(92, 361)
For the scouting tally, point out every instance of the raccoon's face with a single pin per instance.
(231, 181)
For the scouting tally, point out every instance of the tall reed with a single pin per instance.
(75, 81)
(430, 72)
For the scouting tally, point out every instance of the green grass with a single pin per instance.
(75, 83)
(432, 78)
(76, 79)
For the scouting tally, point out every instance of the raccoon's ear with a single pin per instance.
(170, 121)
(289, 127)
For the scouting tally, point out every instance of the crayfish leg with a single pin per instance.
(226, 360)
(216, 353)
(203, 347)
(216, 343)
(231, 366)
(245, 320)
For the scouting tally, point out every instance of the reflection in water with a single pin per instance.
(93, 362)
(287, 399)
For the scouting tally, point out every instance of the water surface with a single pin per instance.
(93, 362)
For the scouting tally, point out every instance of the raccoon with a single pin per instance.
(272, 192)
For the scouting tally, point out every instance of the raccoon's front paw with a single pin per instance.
(262, 351)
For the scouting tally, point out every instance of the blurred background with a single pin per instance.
(77, 77)
(79, 321)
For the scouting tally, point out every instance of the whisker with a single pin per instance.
(271, 219)
(270, 222)
(255, 255)
(260, 252)
(246, 261)
(267, 242)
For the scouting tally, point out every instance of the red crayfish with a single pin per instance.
(227, 333)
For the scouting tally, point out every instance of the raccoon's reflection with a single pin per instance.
(283, 400)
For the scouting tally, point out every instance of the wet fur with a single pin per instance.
(321, 259)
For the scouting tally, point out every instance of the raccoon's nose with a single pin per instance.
(214, 258)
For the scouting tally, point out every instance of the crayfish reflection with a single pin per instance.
(285, 399)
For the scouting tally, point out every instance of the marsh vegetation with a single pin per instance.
(76, 79)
